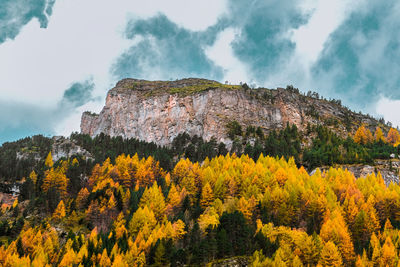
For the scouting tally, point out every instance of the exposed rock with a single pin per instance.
(25, 155)
(158, 111)
(231, 262)
(389, 170)
(64, 148)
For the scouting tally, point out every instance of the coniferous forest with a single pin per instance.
(194, 203)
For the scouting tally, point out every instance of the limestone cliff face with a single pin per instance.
(158, 111)
(65, 148)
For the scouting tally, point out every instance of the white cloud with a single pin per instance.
(191, 14)
(82, 40)
(326, 17)
(72, 122)
(389, 109)
(221, 53)
(310, 39)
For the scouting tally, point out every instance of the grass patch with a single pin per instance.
(192, 89)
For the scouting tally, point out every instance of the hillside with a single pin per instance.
(229, 210)
(195, 173)
(158, 111)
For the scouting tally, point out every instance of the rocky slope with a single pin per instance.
(389, 169)
(65, 148)
(157, 111)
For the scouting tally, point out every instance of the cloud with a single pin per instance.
(14, 14)
(389, 109)
(263, 42)
(78, 94)
(360, 61)
(221, 53)
(42, 56)
(341, 49)
(325, 17)
(165, 51)
(19, 119)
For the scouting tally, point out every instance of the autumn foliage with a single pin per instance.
(363, 136)
(133, 213)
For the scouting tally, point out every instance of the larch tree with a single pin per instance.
(154, 199)
(207, 196)
(49, 160)
(393, 136)
(379, 136)
(59, 212)
(389, 254)
(33, 177)
(335, 230)
(363, 135)
(330, 255)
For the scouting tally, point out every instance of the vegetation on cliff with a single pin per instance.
(317, 146)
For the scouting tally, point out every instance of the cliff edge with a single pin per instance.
(157, 111)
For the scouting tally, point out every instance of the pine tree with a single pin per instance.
(159, 257)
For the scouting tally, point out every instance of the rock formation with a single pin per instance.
(64, 148)
(157, 111)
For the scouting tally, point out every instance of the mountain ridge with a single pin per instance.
(158, 111)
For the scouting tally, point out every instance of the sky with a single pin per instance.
(59, 58)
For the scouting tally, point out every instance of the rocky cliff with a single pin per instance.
(157, 111)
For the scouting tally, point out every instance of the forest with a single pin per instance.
(134, 213)
(196, 203)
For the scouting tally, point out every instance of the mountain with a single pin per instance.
(158, 111)
(198, 173)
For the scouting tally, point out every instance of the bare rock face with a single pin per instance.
(389, 169)
(65, 148)
(157, 111)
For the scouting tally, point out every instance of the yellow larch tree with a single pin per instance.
(389, 254)
(33, 177)
(56, 179)
(143, 217)
(49, 160)
(59, 212)
(82, 197)
(154, 199)
(393, 136)
(207, 196)
(209, 218)
(330, 255)
(119, 226)
(173, 200)
(105, 260)
(363, 135)
(335, 230)
(379, 136)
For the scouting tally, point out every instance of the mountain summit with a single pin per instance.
(158, 111)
